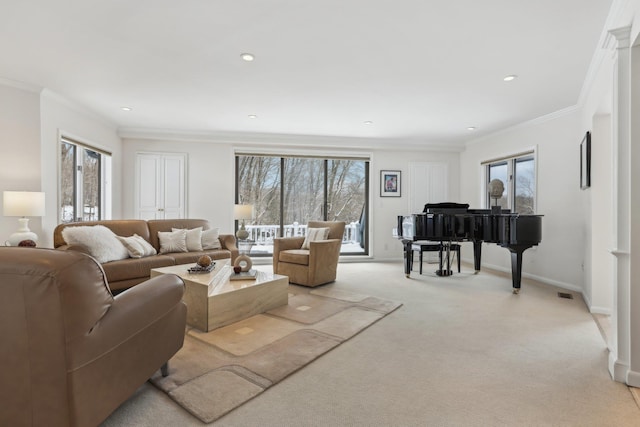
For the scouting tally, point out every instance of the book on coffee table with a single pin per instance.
(243, 275)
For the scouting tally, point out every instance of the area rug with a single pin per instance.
(218, 371)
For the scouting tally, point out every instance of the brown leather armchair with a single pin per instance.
(70, 352)
(314, 266)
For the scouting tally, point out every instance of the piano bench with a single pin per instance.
(434, 247)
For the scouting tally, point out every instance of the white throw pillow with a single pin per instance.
(137, 246)
(101, 242)
(134, 248)
(149, 250)
(173, 241)
(315, 234)
(194, 237)
(210, 239)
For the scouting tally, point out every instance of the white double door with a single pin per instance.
(160, 186)
(429, 183)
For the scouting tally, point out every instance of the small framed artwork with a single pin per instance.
(390, 184)
(585, 161)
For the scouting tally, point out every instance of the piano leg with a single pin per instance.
(477, 253)
(516, 266)
(408, 257)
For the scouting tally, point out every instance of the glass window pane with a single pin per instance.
(90, 185)
(303, 193)
(303, 197)
(259, 185)
(346, 200)
(525, 185)
(67, 182)
(500, 171)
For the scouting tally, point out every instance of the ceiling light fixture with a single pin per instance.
(252, 116)
(368, 122)
(510, 78)
(247, 57)
(471, 128)
(126, 108)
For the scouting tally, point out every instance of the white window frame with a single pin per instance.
(105, 178)
(510, 186)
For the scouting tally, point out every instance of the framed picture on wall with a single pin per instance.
(585, 161)
(390, 183)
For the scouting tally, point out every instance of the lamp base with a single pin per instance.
(242, 234)
(16, 238)
(23, 233)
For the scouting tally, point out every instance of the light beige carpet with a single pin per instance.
(218, 371)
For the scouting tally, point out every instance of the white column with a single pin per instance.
(633, 376)
(619, 357)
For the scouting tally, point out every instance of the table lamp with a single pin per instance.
(242, 212)
(23, 204)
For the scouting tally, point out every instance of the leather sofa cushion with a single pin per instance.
(123, 227)
(132, 268)
(295, 256)
(192, 257)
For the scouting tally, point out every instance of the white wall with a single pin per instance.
(20, 147)
(58, 116)
(559, 259)
(599, 285)
(211, 178)
(30, 122)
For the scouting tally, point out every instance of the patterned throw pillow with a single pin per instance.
(137, 246)
(194, 239)
(315, 234)
(173, 241)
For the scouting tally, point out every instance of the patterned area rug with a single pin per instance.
(218, 371)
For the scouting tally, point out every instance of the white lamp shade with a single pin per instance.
(243, 211)
(23, 203)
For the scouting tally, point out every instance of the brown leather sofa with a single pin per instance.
(314, 266)
(70, 351)
(123, 274)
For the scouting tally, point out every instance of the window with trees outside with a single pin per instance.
(85, 189)
(287, 192)
(518, 175)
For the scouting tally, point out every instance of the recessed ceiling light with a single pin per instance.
(126, 108)
(471, 128)
(247, 57)
(510, 77)
(252, 116)
(368, 122)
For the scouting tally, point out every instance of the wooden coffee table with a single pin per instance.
(213, 300)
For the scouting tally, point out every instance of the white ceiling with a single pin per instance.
(420, 70)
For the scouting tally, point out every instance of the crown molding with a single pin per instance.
(21, 85)
(286, 140)
(533, 122)
(77, 108)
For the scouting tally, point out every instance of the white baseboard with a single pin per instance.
(546, 280)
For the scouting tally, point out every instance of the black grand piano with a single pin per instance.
(455, 222)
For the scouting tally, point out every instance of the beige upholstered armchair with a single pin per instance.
(71, 352)
(315, 263)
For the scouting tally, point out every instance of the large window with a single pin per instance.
(518, 176)
(287, 192)
(85, 189)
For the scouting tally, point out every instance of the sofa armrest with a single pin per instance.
(228, 242)
(78, 248)
(324, 251)
(323, 257)
(132, 311)
(284, 244)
